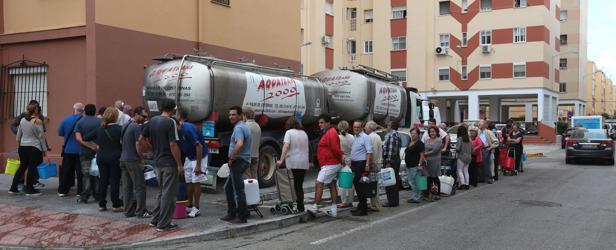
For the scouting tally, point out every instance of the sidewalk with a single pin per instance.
(52, 221)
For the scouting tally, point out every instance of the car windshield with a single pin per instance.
(591, 134)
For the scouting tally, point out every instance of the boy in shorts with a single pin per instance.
(193, 146)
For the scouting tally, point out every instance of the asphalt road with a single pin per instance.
(551, 206)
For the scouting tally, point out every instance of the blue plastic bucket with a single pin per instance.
(47, 170)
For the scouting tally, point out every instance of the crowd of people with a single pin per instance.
(114, 141)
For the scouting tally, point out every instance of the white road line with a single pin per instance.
(382, 220)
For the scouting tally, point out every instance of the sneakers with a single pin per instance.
(14, 192)
(39, 185)
(145, 214)
(194, 212)
(333, 212)
(117, 209)
(170, 227)
(33, 193)
(314, 208)
(102, 209)
(188, 209)
(62, 195)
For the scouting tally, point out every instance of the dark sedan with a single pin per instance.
(594, 144)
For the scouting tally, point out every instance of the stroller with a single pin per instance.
(286, 192)
(449, 168)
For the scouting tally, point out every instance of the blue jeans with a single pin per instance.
(234, 189)
(410, 175)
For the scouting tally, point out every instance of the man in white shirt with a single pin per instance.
(377, 158)
(490, 142)
(123, 118)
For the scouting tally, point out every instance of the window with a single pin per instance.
(444, 8)
(486, 37)
(564, 15)
(520, 3)
(444, 40)
(519, 35)
(563, 39)
(563, 63)
(222, 2)
(352, 16)
(443, 74)
(398, 12)
(352, 47)
(486, 5)
(562, 87)
(401, 74)
(398, 43)
(329, 9)
(485, 72)
(519, 70)
(368, 47)
(30, 83)
(464, 72)
(464, 5)
(368, 16)
(464, 39)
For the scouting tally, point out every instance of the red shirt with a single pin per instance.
(476, 151)
(329, 151)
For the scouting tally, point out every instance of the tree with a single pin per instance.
(605, 116)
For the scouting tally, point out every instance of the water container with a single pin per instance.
(387, 177)
(208, 129)
(47, 170)
(150, 176)
(251, 187)
(345, 178)
(11, 166)
(446, 184)
(180, 210)
(421, 182)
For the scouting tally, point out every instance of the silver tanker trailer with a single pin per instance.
(209, 86)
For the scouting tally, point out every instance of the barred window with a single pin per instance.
(22, 82)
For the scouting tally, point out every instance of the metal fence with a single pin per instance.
(22, 81)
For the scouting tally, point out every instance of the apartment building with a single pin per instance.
(573, 57)
(346, 33)
(94, 51)
(600, 91)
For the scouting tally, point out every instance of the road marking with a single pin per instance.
(382, 220)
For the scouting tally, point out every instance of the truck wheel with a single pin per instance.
(267, 166)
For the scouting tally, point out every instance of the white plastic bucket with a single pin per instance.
(251, 187)
(446, 184)
(387, 177)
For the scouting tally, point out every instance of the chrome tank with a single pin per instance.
(356, 96)
(210, 86)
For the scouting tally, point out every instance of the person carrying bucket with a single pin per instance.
(414, 159)
(330, 156)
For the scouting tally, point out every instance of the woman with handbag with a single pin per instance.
(463, 148)
(32, 149)
(295, 157)
(433, 158)
(108, 138)
(476, 159)
(414, 159)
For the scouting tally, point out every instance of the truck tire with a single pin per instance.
(267, 165)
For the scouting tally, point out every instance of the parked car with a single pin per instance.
(594, 144)
(453, 136)
(565, 135)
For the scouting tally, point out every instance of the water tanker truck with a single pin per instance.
(206, 87)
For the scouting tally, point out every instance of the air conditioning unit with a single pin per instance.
(486, 48)
(326, 40)
(440, 50)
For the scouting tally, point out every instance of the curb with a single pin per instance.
(226, 233)
(534, 155)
